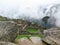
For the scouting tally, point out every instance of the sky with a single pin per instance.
(14, 8)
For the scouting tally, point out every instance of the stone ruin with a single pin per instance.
(23, 25)
(51, 36)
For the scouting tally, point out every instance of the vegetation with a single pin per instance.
(28, 36)
(45, 19)
(32, 30)
(3, 18)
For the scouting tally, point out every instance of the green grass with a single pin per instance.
(28, 36)
(21, 36)
(41, 35)
(3, 18)
(32, 30)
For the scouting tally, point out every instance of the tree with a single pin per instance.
(45, 20)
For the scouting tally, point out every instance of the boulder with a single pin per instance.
(52, 36)
(36, 40)
(25, 41)
(6, 43)
(31, 41)
(8, 31)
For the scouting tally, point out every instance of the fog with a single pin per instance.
(34, 9)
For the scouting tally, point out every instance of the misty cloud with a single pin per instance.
(32, 9)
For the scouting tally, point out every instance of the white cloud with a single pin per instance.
(29, 7)
(32, 8)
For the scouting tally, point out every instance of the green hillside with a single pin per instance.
(3, 18)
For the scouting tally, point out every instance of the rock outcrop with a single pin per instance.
(52, 36)
(31, 41)
(36, 40)
(6, 43)
(8, 31)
